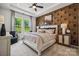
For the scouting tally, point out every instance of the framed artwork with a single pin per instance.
(48, 18)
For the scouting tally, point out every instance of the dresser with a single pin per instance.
(5, 45)
(64, 39)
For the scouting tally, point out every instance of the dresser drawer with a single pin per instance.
(60, 39)
(66, 40)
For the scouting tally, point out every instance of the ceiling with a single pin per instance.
(24, 8)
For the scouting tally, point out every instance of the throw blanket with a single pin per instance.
(35, 37)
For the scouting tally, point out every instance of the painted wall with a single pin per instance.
(7, 17)
(33, 24)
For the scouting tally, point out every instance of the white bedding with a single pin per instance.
(39, 41)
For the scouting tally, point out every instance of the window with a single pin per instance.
(27, 25)
(18, 22)
(22, 23)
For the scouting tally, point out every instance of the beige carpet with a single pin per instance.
(20, 49)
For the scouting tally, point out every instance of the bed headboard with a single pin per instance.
(50, 27)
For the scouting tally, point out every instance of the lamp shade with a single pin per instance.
(37, 27)
(63, 25)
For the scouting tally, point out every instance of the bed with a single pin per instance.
(42, 39)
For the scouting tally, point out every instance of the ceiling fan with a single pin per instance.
(35, 6)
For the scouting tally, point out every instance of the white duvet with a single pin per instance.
(38, 40)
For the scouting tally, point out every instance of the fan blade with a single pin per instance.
(39, 6)
(35, 9)
(34, 4)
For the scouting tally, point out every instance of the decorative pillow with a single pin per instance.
(41, 30)
(50, 31)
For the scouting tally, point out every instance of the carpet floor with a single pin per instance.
(20, 49)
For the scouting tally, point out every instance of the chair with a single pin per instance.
(14, 37)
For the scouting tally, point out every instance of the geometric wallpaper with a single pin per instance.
(69, 15)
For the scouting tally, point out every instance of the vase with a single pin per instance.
(3, 30)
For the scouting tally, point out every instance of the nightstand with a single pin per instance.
(64, 39)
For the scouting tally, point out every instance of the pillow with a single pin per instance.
(50, 31)
(41, 30)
